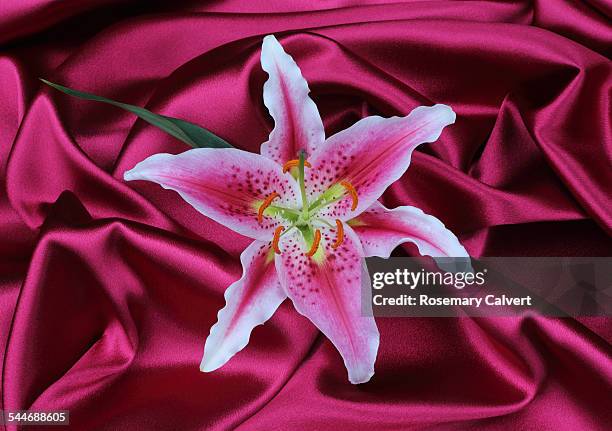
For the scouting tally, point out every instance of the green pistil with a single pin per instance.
(303, 186)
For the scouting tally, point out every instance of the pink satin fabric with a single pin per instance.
(108, 289)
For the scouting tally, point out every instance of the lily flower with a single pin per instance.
(310, 206)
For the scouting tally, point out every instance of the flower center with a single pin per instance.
(306, 218)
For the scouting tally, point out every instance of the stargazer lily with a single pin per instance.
(310, 205)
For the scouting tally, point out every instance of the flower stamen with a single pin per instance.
(339, 234)
(294, 164)
(277, 234)
(265, 204)
(349, 188)
(315, 243)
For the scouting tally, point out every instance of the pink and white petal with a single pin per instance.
(297, 123)
(326, 288)
(227, 185)
(381, 230)
(371, 155)
(249, 302)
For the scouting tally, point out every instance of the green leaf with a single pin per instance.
(189, 133)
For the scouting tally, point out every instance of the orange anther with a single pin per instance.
(349, 188)
(315, 243)
(339, 234)
(276, 238)
(265, 204)
(294, 163)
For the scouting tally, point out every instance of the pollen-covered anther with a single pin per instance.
(315, 243)
(352, 192)
(265, 204)
(277, 233)
(294, 164)
(339, 234)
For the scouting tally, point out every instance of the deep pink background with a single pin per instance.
(108, 289)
